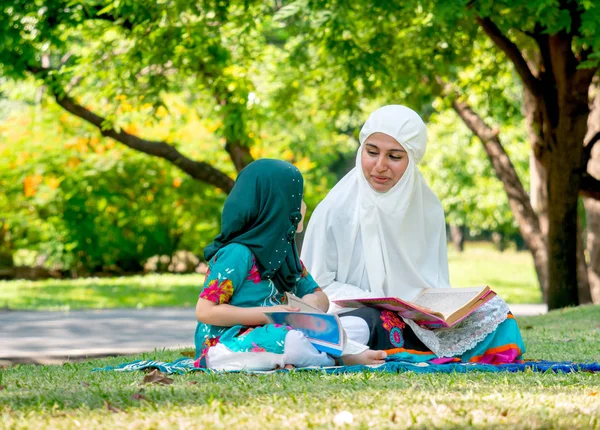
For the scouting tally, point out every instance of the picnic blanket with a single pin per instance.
(392, 365)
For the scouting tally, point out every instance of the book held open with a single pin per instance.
(323, 330)
(439, 307)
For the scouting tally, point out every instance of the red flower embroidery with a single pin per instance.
(218, 292)
(390, 320)
(253, 275)
(207, 344)
(256, 348)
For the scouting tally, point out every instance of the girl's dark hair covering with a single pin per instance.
(262, 212)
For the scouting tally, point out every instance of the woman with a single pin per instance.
(381, 232)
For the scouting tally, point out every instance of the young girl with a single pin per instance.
(252, 263)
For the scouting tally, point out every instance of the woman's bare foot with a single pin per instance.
(286, 367)
(366, 357)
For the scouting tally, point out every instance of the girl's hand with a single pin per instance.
(281, 308)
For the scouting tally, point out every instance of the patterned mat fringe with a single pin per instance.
(184, 365)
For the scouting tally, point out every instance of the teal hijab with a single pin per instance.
(262, 212)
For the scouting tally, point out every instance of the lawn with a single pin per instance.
(71, 395)
(509, 273)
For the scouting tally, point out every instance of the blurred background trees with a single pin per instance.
(123, 123)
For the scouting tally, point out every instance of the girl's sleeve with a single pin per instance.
(227, 271)
(306, 284)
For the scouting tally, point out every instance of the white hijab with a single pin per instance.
(403, 232)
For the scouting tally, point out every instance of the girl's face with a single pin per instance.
(301, 223)
(383, 161)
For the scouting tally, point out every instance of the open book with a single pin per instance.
(439, 307)
(323, 330)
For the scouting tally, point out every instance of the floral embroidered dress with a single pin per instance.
(233, 278)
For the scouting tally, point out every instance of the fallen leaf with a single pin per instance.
(189, 353)
(157, 377)
(193, 383)
(138, 396)
(112, 408)
(393, 417)
(504, 412)
(84, 384)
(528, 327)
(594, 393)
(2, 387)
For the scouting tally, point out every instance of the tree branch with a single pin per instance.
(589, 187)
(196, 169)
(517, 196)
(512, 52)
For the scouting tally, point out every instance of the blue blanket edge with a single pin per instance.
(186, 365)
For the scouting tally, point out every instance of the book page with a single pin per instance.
(446, 300)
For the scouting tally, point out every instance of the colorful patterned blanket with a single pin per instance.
(393, 365)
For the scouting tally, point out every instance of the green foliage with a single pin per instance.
(85, 203)
(458, 170)
(295, 83)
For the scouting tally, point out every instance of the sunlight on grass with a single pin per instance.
(71, 395)
(135, 291)
(510, 273)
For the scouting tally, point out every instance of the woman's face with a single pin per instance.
(301, 223)
(383, 161)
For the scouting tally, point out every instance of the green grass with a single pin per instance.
(71, 396)
(85, 293)
(509, 273)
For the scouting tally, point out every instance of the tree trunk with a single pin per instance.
(240, 155)
(563, 190)
(558, 83)
(592, 210)
(539, 195)
(457, 233)
(592, 206)
(564, 175)
(538, 180)
(583, 284)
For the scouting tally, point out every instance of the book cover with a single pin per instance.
(324, 331)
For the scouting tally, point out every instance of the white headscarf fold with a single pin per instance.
(403, 233)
